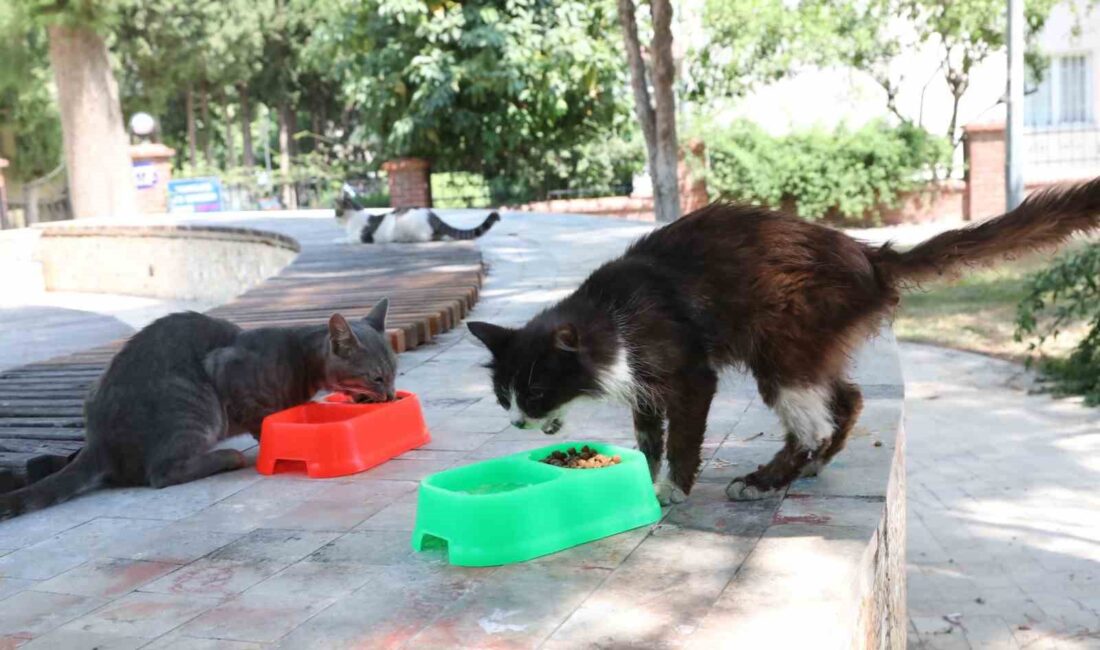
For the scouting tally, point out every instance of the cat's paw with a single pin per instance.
(740, 490)
(668, 493)
(812, 468)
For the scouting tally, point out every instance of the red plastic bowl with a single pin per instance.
(338, 437)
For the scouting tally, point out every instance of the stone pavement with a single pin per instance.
(1004, 512)
(244, 561)
(40, 325)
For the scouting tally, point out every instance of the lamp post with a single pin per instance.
(1014, 173)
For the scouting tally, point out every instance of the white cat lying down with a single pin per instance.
(404, 225)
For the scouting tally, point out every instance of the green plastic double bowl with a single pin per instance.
(515, 508)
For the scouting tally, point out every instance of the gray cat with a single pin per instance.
(187, 381)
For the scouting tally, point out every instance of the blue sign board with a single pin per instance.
(195, 195)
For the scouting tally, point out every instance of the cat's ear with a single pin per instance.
(567, 338)
(341, 335)
(377, 316)
(494, 337)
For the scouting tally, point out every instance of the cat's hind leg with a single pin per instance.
(173, 471)
(809, 422)
(846, 405)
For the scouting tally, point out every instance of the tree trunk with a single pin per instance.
(666, 200)
(207, 141)
(192, 138)
(290, 199)
(246, 127)
(642, 106)
(101, 179)
(230, 146)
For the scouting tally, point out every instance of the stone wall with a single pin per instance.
(201, 263)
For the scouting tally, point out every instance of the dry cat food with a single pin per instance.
(586, 458)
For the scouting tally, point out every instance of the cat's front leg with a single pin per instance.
(687, 411)
(649, 431)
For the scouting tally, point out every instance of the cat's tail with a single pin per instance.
(83, 474)
(441, 227)
(1045, 219)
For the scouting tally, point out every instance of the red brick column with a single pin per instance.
(152, 164)
(984, 156)
(410, 181)
(693, 185)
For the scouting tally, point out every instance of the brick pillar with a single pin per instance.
(152, 164)
(692, 184)
(410, 181)
(984, 157)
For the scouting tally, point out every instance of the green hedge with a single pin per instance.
(1067, 292)
(841, 174)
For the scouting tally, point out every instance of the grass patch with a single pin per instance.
(977, 312)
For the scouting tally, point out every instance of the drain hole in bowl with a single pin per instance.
(288, 466)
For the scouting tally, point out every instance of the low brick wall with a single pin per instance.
(174, 262)
(940, 202)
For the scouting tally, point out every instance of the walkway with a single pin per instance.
(1004, 512)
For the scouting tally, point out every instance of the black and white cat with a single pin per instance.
(404, 225)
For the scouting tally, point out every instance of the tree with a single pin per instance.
(30, 131)
(494, 87)
(869, 34)
(657, 117)
(96, 150)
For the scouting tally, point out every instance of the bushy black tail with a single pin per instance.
(441, 229)
(83, 474)
(1043, 220)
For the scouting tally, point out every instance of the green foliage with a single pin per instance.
(495, 87)
(755, 42)
(842, 173)
(1067, 292)
(460, 190)
(27, 104)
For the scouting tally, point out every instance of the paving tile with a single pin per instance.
(142, 614)
(324, 516)
(399, 515)
(316, 581)
(176, 543)
(395, 604)
(366, 491)
(28, 614)
(9, 586)
(379, 547)
(41, 561)
(274, 545)
(35, 527)
(67, 640)
(177, 641)
(648, 600)
(215, 578)
(517, 606)
(261, 618)
(107, 579)
(411, 470)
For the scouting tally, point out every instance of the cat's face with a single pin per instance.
(537, 371)
(360, 361)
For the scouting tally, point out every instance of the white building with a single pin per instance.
(1063, 140)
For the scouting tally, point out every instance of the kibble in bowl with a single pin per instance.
(586, 458)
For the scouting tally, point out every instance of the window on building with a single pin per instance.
(1064, 96)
